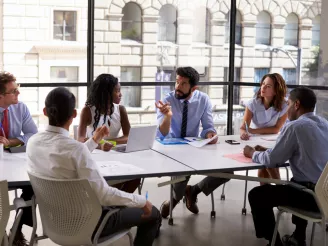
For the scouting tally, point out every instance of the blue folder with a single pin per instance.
(171, 141)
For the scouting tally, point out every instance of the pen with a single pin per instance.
(147, 195)
(246, 127)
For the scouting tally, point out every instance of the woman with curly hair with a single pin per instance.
(102, 108)
(267, 112)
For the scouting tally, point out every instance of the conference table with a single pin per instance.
(175, 161)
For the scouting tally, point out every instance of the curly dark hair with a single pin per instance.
(5, 78)
(101, 96)
(190, 73)
(279, 87)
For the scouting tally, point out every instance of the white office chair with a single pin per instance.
(69, 211)
(4, 212)
(321, 197)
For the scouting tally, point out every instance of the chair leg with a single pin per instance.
(223, 195)
(130, 238)
(324, 235)
(15, 226)
(312, 234)
(243, 211)
(4, 240)
(213, 206)
(33, 235)
(273, 241)
(171, 204)
(140, 186)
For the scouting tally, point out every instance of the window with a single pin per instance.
(65, 25)
(203, 77)
(131, 22)
(201, 25)
(289, 75)
(167, 24)
(258, 75)
(263, 28)
(236, 89)
(291, 30)
(131, 94)
(238, 28)
(316, 31)
(66, 75)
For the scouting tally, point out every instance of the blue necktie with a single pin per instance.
(184, 119)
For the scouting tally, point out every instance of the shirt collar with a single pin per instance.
(3, 109)
(191, 99)
(58, 130)
(307, 115)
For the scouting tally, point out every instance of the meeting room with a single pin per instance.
(163, 122)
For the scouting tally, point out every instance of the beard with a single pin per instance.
(183, 95)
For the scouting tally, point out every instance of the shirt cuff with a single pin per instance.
(255, 158)
(91, 144)
(141, 201)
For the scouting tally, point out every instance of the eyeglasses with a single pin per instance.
(13, 92)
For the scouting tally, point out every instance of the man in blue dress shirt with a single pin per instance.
(17, 126)
(180, 116)
(304, 143)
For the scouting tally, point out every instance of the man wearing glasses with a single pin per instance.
(17, 126)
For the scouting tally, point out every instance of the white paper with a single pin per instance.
(200, 143)
(270, 138)
(112, 168)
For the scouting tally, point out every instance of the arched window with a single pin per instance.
(263, 28)
(167, 24)
(238, 28)
(316, 31)
(291, 30)
(131, 22)
(201, 25)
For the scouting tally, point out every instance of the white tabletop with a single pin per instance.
(13, 167)
(210, 157)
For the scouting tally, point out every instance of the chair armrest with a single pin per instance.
(103, 223)
(20, 203)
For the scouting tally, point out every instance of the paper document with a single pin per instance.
(112, 168)
(196, 142)
(274, 138)
(239, 157)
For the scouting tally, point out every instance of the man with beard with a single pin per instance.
(179, 116)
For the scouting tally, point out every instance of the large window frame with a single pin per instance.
(230, 83)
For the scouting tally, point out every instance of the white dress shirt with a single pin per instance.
(54, 154)
(304, 143)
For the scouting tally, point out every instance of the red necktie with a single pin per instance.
(5, 123)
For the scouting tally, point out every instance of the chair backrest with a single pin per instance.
(4, 208)
(321, 191)
(69, 209)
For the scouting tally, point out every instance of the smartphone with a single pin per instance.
(233, 142)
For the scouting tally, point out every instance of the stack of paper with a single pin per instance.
(198, 143)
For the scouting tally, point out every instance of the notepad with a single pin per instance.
(111, 168)
(239, 157)
(171, 141)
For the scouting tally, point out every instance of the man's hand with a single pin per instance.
(249, 151)
(147, 210)
(100, 133)
(106, 146)
(210, 135)
(260, 148)
(164, 108)
(4, 141)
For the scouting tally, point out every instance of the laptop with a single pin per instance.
(140, 138)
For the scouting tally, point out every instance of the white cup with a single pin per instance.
(1, 151)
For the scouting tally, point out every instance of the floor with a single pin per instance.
(229, 227)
